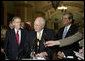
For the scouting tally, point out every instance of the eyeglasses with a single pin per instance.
(36, 25)
(64, 18)
(17, 22)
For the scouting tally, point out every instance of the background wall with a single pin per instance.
(29, 10)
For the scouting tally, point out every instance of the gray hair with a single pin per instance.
(15, 18)
(43, 22)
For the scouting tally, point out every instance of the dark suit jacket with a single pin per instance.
(47, 35)
(68, 49)
(12, 49)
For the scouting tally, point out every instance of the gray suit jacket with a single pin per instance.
(81, 43)
(70, 40)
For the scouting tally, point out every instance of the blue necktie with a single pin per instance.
(64, 33)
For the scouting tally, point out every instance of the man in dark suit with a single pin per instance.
(16, 43)
(38, 37)
(69, 29)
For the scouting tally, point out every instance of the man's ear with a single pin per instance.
(43, 26)
(70, 20)
(13, 23)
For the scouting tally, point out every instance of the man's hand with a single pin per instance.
(60, 55)
(81, 51)
(52, 43)
(2, 50)
(42, 54)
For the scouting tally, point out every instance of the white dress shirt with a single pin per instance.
(68, 27)
(41, 33)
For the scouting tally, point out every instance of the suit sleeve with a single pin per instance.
(6, 41)
(70, 40)
(27, 45)
(50, 50)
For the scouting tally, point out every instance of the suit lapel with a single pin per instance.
(62, 32)
(69, 31)
(43, 35)
(22, 37)
(14, 36)
(34, 36)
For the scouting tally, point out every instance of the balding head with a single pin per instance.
(41, 20)
(39, 24)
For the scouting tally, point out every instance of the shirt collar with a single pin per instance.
(68, 26)
(16, 30)
(41, 31)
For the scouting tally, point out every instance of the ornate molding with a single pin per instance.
(23, 5)
(40, 12)
(44, 9)
(74, 5)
